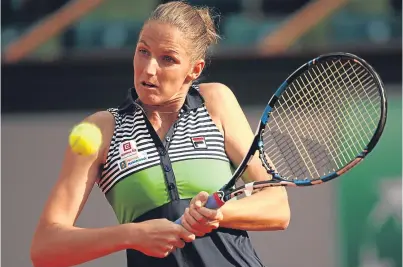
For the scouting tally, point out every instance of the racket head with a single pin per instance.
(322, 121)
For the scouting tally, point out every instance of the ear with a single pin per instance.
(196, 70)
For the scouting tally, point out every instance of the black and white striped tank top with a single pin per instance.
(193, 136)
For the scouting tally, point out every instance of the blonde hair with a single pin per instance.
(196, 23)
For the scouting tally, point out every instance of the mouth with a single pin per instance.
(148, 84)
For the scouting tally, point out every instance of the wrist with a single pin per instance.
(130, 235)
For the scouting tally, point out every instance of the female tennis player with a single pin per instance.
(170, 144)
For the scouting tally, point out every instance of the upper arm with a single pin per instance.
(238, 134)
(77, 177)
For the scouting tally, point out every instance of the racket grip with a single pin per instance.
(213, 202)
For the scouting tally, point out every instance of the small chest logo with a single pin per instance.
(133, 160)
(199, 142)
(122, 164)
(127, 148)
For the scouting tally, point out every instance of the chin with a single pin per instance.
(149, 98)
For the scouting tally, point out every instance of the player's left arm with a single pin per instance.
(266, 210)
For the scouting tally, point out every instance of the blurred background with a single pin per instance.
(63, 60)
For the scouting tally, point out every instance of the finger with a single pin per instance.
(213, 224)
(168, 251)
(160, 255)
(179, 243)
(198, 223)
(197, 216)
(189, 218)
(210, 214)
(189, 228)
(161, 252)
(185, 232)
(200, 229)
(200, 199)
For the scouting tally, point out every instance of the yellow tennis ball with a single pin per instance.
(85, 139)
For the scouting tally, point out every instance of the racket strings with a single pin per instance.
(344, 106)
(316, 131)
(323, 120)
(356, 111)
(365, 93)
(349, 108)
(337, 105)
(297, 94)
(316, 127)
(283, 154)
(315, 92)
(337, 82)
(298, 109)
(320, 128)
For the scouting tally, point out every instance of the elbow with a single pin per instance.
(36, 261)
(279, 215)
(283, 222)
(283, 212)
(279, 220)
(284, 216)
(279, 223)
(39, 253)
(37, 257)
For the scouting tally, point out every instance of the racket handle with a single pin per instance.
(213, 202)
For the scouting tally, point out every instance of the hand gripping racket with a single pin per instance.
(321, 122)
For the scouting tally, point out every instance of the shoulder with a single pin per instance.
(218, 97)
(216, 92)
(221, 103)
(105, 120)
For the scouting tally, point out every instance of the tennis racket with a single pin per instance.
(323, 120)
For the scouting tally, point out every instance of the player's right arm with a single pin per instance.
(58, 242)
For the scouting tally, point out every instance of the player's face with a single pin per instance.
(162, 64)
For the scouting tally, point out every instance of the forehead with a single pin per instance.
(163, 35)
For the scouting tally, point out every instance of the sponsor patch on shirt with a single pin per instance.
(133, 160)
(199, 142)
(127, 149)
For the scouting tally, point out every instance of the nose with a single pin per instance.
(151, 68)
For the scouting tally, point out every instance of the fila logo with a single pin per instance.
(199, 142)
(127, 148)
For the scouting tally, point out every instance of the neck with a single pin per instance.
(168, 108)
(163, 109)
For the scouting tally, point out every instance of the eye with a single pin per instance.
(143, 51)
(168, 59)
